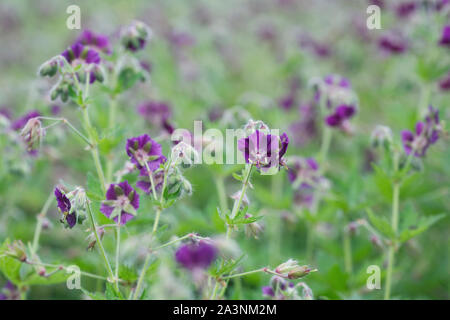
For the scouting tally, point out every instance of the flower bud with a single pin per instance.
(98, 72)
(17, 250)
(381, 135)
(299, 272)
(48, 68)
(286, 267)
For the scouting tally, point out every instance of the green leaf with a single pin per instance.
(422, 226)
(94, 295)
(127, 78)
(381, 224)
(57, 277)
(237, 176)
(10, 267)
(94, 189)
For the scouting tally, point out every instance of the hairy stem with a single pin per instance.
(37, 231)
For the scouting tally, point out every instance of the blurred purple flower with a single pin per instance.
(145, 185)
(392, 43)
(97, 41)
(340, 115)
(55, 109)
(306, 129)
(143, 152)
(445, 37)
(195, 256)
(426, 133)
(267, 291)
(121, 200)
(9, 292)
(444, 84)
(406, 9)
(157, 113)
(22, 121)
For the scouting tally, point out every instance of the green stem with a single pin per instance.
(100, 246)
(347, 252)
(221, 193)
(111, 125)
(243, 274)
(237, 204)
(118, 245)
(41, 216)
(152, 182)
(94, 149)
(155, 224)
(425, 94)
(391, 253)
(325, 145)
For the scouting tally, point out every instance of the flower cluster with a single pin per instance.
(79, 54)
(426, 133)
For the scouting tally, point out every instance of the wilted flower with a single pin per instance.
(65, 208)
(135, 36)
(32, 134)
(445, 37)
(17, 250)
(195, 256)
(97, 41)
(78, 54)
(121, 200)
(426, 134)
(253, 229)
(143, 152)
(292, 270)
(381, 135)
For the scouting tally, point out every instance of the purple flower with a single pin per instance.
(441, 4)
(444, 84)
(97, 41)
(9, 292)
(392, 43)
(267, 291)
(121, 200)
(64, 207)
(340, 116)
(445, 38)
(78, 54)
(195, 256)
(263, 150)
(143, 152)
(5, 112)
(305, 129)
(426, 133)
(22, 121)
(156, 113)
(405, 9)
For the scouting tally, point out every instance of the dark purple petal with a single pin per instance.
(268, 291)
(196, 256)
(333, 120)
(284, 145)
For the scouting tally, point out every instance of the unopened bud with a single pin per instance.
(253, 229)
(299, 272)
(381, 135)
(48, 68)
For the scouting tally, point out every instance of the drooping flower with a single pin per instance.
(263, 150)
(22, 121)
(32, 134)
(195, 256)
(99, 42)
(69, 216)
(143, 152)
(426, 133)
(78, 54)
(121, 200)
(445, 37)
